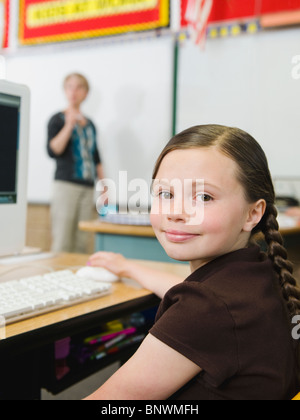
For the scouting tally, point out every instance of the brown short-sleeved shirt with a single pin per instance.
(229, 317)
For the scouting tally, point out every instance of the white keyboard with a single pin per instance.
(32, 296)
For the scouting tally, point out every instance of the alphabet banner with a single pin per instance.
(44, 21)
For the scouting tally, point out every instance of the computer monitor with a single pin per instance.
(14, 139)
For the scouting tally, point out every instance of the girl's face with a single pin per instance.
(75, 90)
(199, 210)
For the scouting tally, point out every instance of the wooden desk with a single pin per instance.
(96, 226)
(123, 294)
(22, 352)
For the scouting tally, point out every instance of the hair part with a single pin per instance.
(255, 177)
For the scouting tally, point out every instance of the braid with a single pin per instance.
(278, 254)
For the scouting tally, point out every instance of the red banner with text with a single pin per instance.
(226, 10)
(44, 21)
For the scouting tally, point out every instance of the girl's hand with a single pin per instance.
(115, 263)
(155, 280)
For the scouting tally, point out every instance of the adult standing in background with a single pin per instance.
(72, 142)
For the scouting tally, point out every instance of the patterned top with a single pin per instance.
(77, 164)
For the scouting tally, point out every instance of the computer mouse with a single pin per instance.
(97, 273)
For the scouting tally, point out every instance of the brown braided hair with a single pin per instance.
(254, 175)
(278, 254)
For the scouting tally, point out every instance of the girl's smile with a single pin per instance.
(179, 236)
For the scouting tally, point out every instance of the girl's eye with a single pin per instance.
(203, 198)
(165, 195)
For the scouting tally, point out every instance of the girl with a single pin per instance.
(225, 332)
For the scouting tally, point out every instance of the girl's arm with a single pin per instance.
(156, 281)
(155, 372)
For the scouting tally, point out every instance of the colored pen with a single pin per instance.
(108, 337)
(126, 343)
(109, 344)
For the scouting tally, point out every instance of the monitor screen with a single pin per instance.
(9, 145)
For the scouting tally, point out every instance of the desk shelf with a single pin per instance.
(79, 373)
(76, 352)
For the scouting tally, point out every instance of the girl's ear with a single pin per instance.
(256, 213)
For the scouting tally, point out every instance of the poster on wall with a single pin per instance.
(239, 10)
(219, 18)
(4, 22)
(44, 21)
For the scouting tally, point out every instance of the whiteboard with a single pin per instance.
(246, 82)
(130, 102)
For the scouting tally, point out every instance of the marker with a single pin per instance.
(108, 337)
(126, 343)
(109, 344)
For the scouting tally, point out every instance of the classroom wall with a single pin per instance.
(130, 102)
(249, 81)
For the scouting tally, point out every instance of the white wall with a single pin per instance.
(130, 102)
(247, 82)
(244, 81)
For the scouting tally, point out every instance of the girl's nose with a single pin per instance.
(176, 212)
